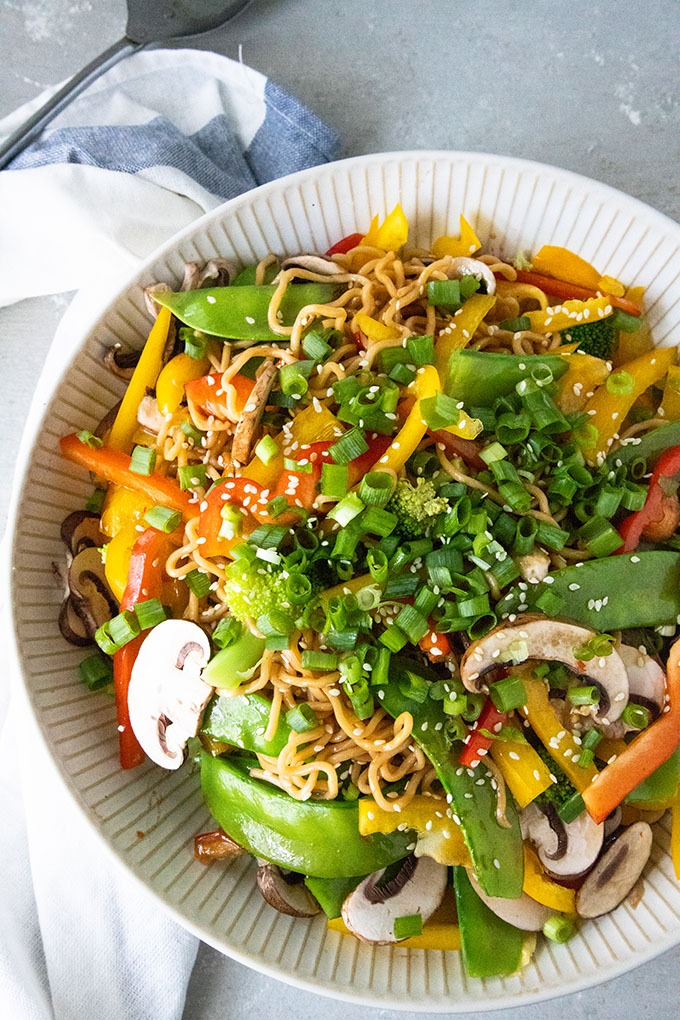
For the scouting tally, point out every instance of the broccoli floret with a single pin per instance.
(254, 589)
(561, 791)
(416, 506)
(598, 338)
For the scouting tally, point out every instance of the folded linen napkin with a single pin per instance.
(161, 138)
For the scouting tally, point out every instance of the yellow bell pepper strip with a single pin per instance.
(675, 837)
(555, 318)
(114, 466)
(461, 329)
(173, 377)
(391, 234)
(558, 741)
(608, 409)
(609, 748)
(584, 374)
(428, 816)
(543, 889)
(374, 329)
(122, 507)
(566, 265)
(650, 749)
(669, 407)
(143, 378)
(522, 768)
(405, 443)
(117, 562)
(465, 245)
(570, 291)
(610, 285)
(309, 426)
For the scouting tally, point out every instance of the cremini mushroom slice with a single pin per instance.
(524, 913)
(81, 529)
(216, 846)
(216, 272)
(248, 426)
(121, 361)
(566, 850)
(90, 595)
(167, 696)
(462, 266)
(415, 885)
(537, 637)
(285, 891)
(318, 264)
(616, 872)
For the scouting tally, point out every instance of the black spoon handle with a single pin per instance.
(30, 130)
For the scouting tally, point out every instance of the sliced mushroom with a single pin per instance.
(647, 687)
(534, 566)
(155, 288)
(216, 846)
(80, 530)
(537, 637)
(72, 626)
(616, 873)
(566, 850)
(463, 266)
(121, 361)
(90, 594)
(166, 696)
(149, 415)
(524, 913)
(285, 891)
(216, 272)
(313, 264)
(416, 887)
(247, 428)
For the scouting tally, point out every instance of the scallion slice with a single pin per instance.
(348, 447)
(267, 449)
(302, 718)
(376, 488)
(163, 518)
(143, 460)
(508, 694)
(198, 582)
(227, 631)
(96, 671)
(192, 476)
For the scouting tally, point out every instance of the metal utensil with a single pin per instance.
(149, 21)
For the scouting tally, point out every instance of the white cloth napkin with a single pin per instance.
(161, 138)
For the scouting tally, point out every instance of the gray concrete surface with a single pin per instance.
(589, 86)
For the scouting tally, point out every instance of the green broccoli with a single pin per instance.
(598, 338)
(416, 506)
(562, 790)
(254, 588)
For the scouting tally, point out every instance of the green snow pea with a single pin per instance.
(616, 593)
(495, 851)
(240, 313)
(490, 946)
(313, 837)
(478, 378)
(232, 665)
(659, 788)
(647, 447)
(331, 893)
(241, 721)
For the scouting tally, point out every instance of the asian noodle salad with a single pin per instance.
(386, 539)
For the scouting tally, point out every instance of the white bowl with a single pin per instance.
(514, 205)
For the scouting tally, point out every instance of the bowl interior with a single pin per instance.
(148, 818)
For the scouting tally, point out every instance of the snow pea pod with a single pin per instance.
(241, 720)
(646, 447)
(617, 592)
(313, 837)
(240, 313)
(495, 851)
(478, 378)
(490, 946)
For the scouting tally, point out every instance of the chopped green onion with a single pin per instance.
(315, 345)
(508, 694)
(334, 480)
(346, 510)
(413, 686)
(198, 582)
(267, 449)
(517, 325)
(298, 588)
(95, 503)
(89, 439)
(275, 622)
(227, 631)
(440, 411)
(319, 660)
(478, 605)
(402, 374)
(620, 383)
(302, 718)
(636, 716)
(163, 518)
(413, 624)
(376, 488)
(551, 536)
(376, 521)
(192, 476)
(600, 538)
(591, 739)
(393, 638)
(559, 928)
(143, 460)
(295, 465)
(525, 536)
(425, 601)
(195, 343)
(492, 452)
(117, 632)
(192, 433)
(421, 350)
(348, 447)
(407, 926)
(583, 695)
(96, 672)
(150, 613)
(572, 808)
(549, 602)
(268, 536)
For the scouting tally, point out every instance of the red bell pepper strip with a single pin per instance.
(562, 289)
(207, 395)
(114, 466)
(145, 581)
(644, 755)
(656, 504)
(345, 244)
(476, 745)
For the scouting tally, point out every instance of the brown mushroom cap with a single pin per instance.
(616, 872)
(566, 850)
(287, 893)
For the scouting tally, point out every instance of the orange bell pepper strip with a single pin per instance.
(114, 466)
(145, 581)
(208, 396)
(643, 755)
(561, 289)
(143, 378)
